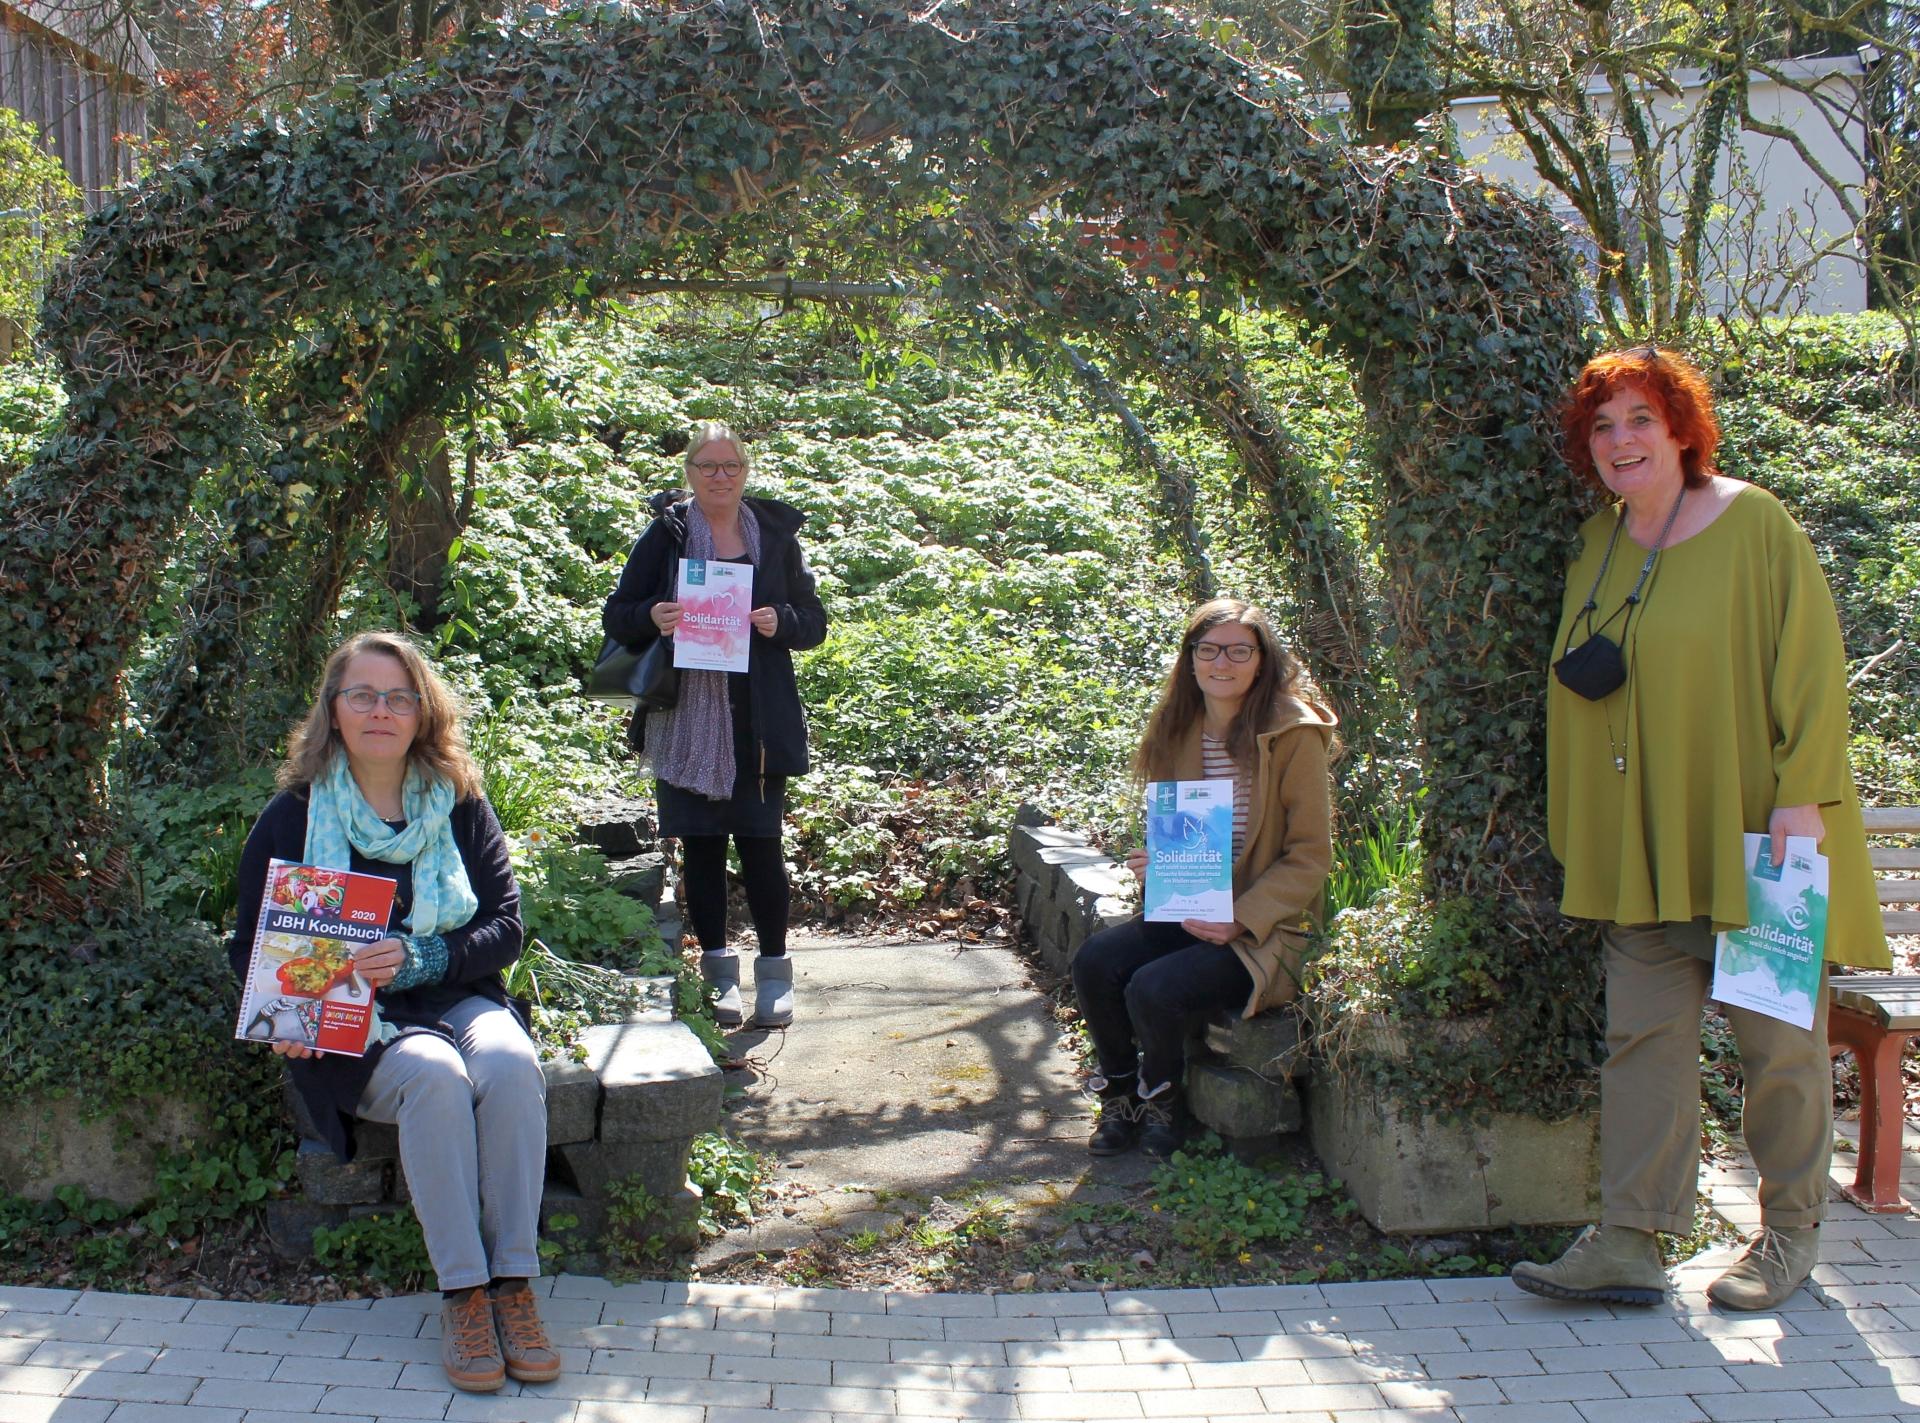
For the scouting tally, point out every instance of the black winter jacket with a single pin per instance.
(782, 581)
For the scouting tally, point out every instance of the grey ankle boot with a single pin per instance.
(772, 991)
(722, 970)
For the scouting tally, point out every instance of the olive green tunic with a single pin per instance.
(1735, 702)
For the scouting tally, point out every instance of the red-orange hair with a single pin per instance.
(1674, 387)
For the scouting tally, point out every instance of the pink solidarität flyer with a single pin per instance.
(715, 599)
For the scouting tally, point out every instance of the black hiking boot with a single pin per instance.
(1119, 1126)
(1165, 1123)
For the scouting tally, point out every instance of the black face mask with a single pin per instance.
(1595, 669)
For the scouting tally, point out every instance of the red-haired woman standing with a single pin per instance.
(1716, 706)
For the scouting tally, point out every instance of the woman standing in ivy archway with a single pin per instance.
(1236, 705)
(1700, 696)
(378, 780)
(721, 757)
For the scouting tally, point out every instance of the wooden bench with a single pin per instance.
(1875, 1015)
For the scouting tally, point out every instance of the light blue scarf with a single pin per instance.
(340, 821)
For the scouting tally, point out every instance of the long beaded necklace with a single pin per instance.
(1627, 607)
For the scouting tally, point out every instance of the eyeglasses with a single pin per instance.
(399, 700)
(708, 469)
(1213, 651)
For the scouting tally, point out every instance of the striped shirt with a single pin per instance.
(1217, 764)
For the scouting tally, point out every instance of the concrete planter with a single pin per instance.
(1414, 1175)
(48, 1143)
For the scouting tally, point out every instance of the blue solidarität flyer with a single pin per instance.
(1189, 851)
(1775, 964)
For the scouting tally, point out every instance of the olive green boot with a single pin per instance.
(1606, 1262)
(1774, 1265)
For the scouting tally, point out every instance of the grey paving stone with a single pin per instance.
(1237, 1321)
(1124, 1304)
(1520, 1336)
(1498, 1363)
(593, 1287)
(602, 1411)
(1065, 1406)
(754, 1369)
(385, 1402)
(1609, 1358)
(264, 1316)
(1055, 1305)
(889, 1326)
(118, 1306)
(20, 1378)
(977, 1354)
(35, 1299)
(1453, 1313)
(166, 1333)
(849, 1374)
(1519, 1413)
(1253, 1373)
(713, 1341)
(1440, 1393)
(1407, 1292)
(922, 1403)
(172, 1413)
(1313, 1397)
(1202, 1403)
(1630, 1331)
(946, 1306)
(67, 1354)
(274, 1415)
(673, 1366)
(354, 1373)
(388, 1349)
(653, 1316)
(1560, 1388)
(767, 1321)
(1097, 1378)
(1858, 1402)
(1334, 1319)
(499, 1408)
(1411, 1341)
(833, 1348)
(134, 1388)
(251, 1393)
(208, 1364)
(15, 1351)
(1275, 1297)
(707, 1392)
(1153, 1351)
(1363, 1368)
(1641, 1410)
(1002, 1330)
(1709, 1353)
(1758, 1407)
(250, 1339)
(331, 1319)
(31, 1408)
(30, 1324)
(1656, 1383)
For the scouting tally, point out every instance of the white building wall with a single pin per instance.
(1780, 241)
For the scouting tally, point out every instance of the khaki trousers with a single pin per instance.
(1657, 981)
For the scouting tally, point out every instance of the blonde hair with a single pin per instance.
(439, 748)
(1181, 702)
(704, 434)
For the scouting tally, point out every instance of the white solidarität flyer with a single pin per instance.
(1189, 851)
(1775, 964)
(714, 599)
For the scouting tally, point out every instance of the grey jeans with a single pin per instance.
(473, 1140)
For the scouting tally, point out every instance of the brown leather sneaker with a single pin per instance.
(468, 1350)
(530, 1358)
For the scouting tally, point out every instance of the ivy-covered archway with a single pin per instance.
(287, 300)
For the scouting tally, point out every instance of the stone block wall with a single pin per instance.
(1241, 1073)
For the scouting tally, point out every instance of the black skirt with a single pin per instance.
(757, 806)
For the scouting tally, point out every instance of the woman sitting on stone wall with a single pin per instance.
(378, 780)
(1235, 705)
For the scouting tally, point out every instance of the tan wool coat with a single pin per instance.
(1281, 871)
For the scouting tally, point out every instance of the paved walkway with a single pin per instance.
(1451, 1351)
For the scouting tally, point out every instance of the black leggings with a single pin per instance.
(763, 874)
(1143, 987)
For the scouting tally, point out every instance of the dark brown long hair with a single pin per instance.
(439, 746)
(1181, 703)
